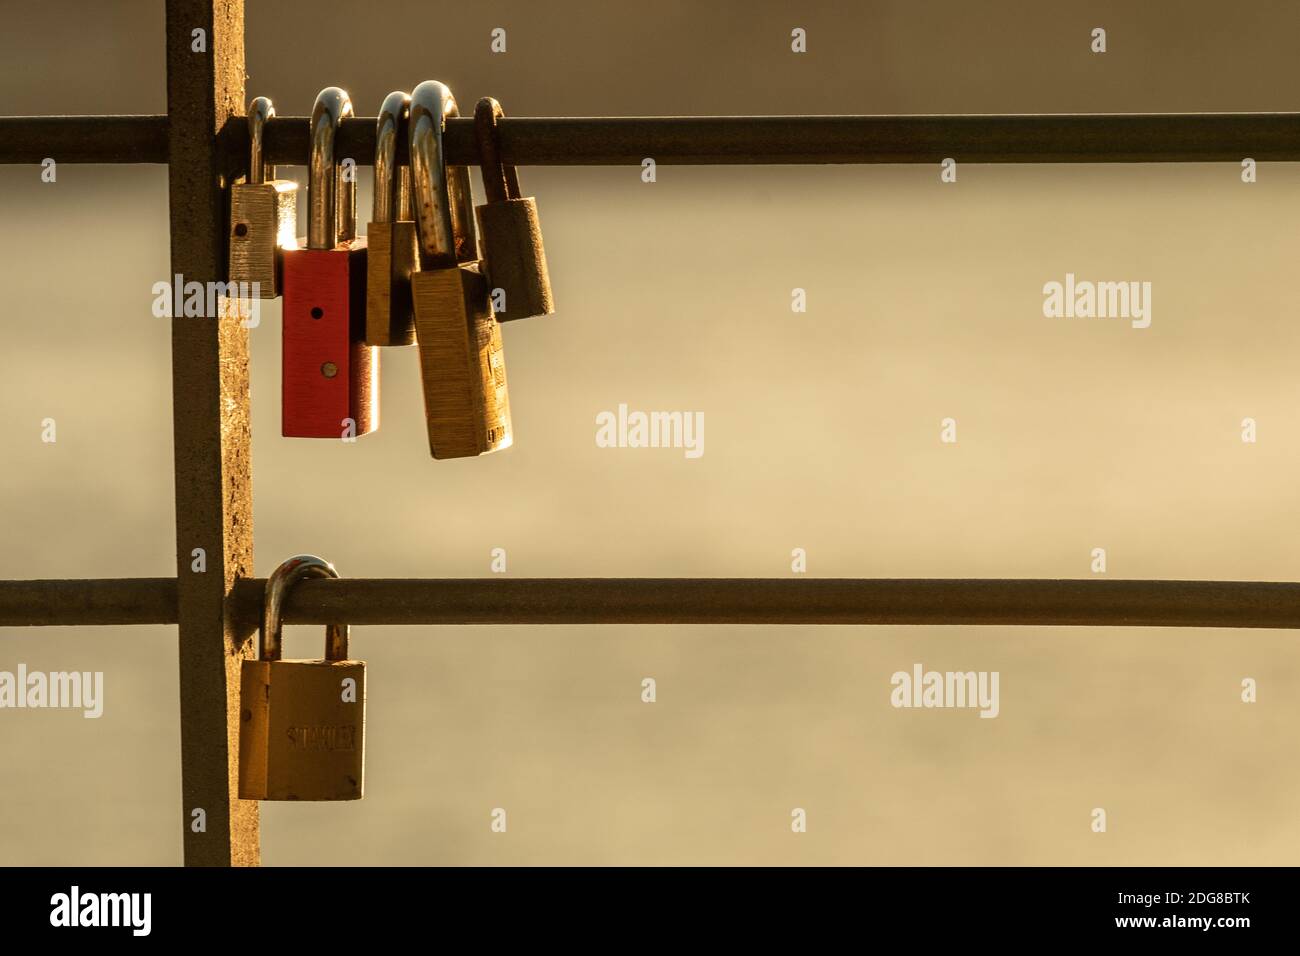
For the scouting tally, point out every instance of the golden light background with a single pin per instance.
(822, 432)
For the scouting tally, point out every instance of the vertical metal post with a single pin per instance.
(205, 86)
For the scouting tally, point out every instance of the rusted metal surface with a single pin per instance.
(83, 139)
(792, 601)
(738, 140)
(211, 432)
(1009, 602)
(80, 602)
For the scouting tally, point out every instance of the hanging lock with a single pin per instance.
(330, 377)
(302, 723)
(462, 363)
(263, 216)
(513, 256)
(392, 250)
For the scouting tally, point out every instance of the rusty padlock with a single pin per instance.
(263, 216)
(462, 363)
(391, 248)
(514, 260)
(330, 377)
(302, 723)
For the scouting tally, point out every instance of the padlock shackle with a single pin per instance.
(277, 589)
(444, 206)
(392, 194)
(331, 196)
(259, 111)
(500, 182)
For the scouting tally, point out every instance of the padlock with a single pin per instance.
(330, 377)
(391, 248)
(462, 364)
(302, 723)
(263, 216)
(514, 260)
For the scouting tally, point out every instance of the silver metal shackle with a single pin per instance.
(259, 111)
(444, 206)
(392, 196)
(331, 196)
(284, 577)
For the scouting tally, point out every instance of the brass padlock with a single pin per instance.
(303, 723)
(263, 215)
(392, 249)
(514, 260)
(462, 363)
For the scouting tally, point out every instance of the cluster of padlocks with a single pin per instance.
(418, 277)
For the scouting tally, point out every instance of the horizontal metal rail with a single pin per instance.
(88, 601)
(710, 140)
(1244, 604)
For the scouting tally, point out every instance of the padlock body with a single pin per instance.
(515, 259)
(392, 255)
(263, 220)
(462, 363)
(302, 730)
(330, 377)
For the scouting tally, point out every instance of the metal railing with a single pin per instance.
(203, 141)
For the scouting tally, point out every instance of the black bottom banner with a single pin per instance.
(367, 906)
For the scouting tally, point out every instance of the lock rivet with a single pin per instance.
(329, 369)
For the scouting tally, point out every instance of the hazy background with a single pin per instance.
(924, 301)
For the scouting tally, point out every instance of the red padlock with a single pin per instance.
(330, 377)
